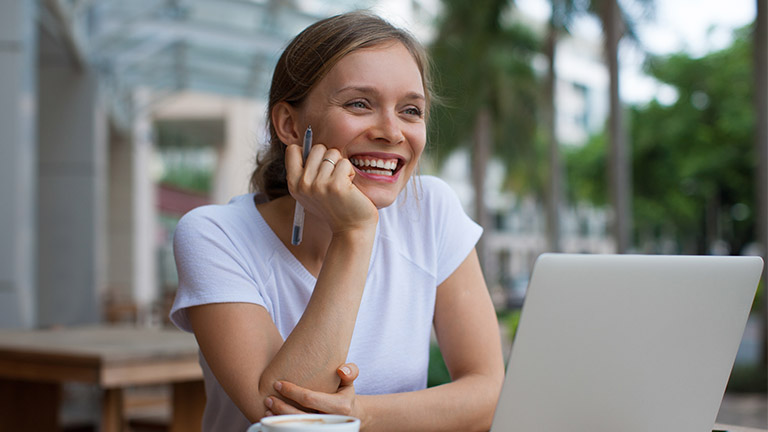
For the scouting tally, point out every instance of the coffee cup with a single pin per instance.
(307, 423)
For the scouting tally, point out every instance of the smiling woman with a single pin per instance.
(369, 108)
(341, 323)
(309, 57)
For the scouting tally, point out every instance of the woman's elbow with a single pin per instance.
(491, 399)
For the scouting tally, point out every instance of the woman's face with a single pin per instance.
(371, 107)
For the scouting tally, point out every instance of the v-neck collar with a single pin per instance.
(287, 256)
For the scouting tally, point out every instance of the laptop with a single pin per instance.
(626, 343)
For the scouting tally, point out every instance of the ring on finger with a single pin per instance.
(329, 161)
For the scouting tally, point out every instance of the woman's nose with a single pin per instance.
(387, 129)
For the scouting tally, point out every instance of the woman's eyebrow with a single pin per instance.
(359, 89)
(415, 95)
(372, 90)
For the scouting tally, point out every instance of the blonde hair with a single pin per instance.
(305, 61)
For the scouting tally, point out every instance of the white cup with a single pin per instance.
(307, 423)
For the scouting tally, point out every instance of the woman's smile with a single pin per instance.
(378, 166)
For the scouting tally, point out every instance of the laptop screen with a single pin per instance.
(626, 342)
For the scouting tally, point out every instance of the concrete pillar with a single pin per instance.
(18, 156)
(144, 211)
(237, 154)
(132, 224)
(72, 196)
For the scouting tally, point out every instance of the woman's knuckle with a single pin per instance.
(304, 184)
(308, 400)
(336, 187)
(316, 188)
(346, 407)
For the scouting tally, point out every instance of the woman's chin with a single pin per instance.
(382, 202)
(381, 198)
(382, 190)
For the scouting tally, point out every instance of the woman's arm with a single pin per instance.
(246, 353)
(240, 341)
(468, 333)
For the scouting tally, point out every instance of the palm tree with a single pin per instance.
(619, 165)
(617, 24)
(562, 13)
(761, 124)
(489, 89)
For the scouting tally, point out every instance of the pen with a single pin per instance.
(298, 213)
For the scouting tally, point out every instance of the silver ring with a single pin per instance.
(330, 161)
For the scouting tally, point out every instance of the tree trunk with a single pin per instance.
(554, 184)
(481, 149)
(619, 169)
(761, 127)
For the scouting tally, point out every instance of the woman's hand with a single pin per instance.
(342, 402)
(326, 190)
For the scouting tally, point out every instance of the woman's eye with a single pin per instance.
(413, 111)
(357, 105)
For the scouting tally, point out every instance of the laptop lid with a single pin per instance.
(626, 342)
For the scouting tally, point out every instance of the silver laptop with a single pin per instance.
(625, 343)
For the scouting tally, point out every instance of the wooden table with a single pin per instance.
(34, 364)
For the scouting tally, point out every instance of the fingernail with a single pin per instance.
(346, 370)
(268, 413)
(268, 402)
(278, 385)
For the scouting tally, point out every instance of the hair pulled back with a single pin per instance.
(305, 61)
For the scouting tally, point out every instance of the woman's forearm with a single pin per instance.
(466, 404)
(320, 341)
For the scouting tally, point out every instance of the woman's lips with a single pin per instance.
(377, 167)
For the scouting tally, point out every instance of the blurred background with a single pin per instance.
(589, 126)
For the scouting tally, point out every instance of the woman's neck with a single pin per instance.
(278, 214)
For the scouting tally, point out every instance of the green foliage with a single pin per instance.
(189, 179)
(483, 61)
(693, 161)
(437, 373)
(748, 378)
(510, 319)
(586, 171)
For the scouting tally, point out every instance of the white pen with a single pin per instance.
(298, 213)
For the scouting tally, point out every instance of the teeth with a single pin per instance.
(378, 172)
(386, 166)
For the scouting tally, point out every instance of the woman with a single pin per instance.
(383, 257)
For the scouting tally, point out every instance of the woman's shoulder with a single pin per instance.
(210, 218)
(432, 184)
(424, 199)
(434, 193)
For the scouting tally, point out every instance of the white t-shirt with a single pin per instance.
(228, 253)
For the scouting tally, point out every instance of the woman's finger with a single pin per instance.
(322, 402)
(294, 165)
(297, 168)
(328, 162)
(278, 407)
(348, 372)
(308, 174)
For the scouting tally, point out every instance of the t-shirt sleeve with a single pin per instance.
(457, 234)
(211, 269)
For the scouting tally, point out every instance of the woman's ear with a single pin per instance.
(285, 121)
